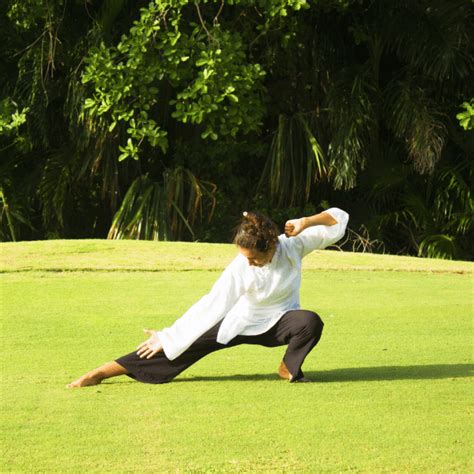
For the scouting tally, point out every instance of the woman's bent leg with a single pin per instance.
(303, 329)
(300, 329)
(94, 377)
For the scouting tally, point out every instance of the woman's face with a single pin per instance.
(256, 258)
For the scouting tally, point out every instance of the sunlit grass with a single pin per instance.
(392, 387)
(106, 255)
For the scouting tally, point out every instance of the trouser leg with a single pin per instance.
(205, 345)
(159, 369)
(301, 330)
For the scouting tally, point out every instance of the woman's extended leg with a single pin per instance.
(159, 369)
(94, 377)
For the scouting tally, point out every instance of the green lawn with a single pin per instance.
(393, 371)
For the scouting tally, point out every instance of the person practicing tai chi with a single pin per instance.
(254, 301)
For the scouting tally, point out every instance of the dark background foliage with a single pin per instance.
(165, 120)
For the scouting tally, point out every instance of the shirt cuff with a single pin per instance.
(339, 215)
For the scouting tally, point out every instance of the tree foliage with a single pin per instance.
(174, 63)
(466, 117)
(145, 119)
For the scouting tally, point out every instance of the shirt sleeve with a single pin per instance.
(321, 236)
(204, 314)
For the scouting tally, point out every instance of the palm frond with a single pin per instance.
(413, 118)
(351, 113)
(295, 162)
(141, 215)
(7, 216)
(154, 210)
(433, 37)
(55, 185)
(453, 203)
(15, 211)
(186, 195)
(439, 246)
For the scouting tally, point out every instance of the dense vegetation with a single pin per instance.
(165, 120)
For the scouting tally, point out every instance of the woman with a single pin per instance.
(254, 301)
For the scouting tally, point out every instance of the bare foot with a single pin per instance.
(85, 381)
(283, 371)
(94, 377)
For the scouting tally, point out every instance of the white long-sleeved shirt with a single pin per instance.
(250, 300)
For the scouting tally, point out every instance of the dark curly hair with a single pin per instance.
(256, 232)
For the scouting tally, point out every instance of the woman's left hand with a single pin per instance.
(294, 226)
(150, 347)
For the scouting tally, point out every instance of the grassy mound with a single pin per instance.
(130, 255)
(392, 372)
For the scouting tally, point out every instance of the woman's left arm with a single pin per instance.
(317, 231)
(294, 226)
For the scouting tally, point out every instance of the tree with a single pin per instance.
(145, 119)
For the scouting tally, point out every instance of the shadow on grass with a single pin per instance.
(358, 374)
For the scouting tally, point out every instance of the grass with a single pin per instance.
(393, 370)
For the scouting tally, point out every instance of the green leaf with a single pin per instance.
(89, 103)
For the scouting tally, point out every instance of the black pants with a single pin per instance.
(300, 329)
